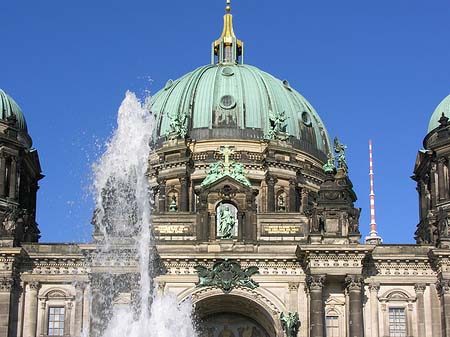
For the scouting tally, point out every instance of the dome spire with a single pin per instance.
(227, 48)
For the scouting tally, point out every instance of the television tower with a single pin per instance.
(373, 237)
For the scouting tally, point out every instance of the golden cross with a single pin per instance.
(227, 152)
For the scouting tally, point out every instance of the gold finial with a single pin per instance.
(228, 7)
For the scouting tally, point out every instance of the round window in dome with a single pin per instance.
(227, 102)
(306, 118)
(227, 71)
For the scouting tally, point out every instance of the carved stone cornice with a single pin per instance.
(6, 284)
(354, 282)
(315, 282)
(420, 288)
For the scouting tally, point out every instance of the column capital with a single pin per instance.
(293, 182)
(161, 181)
(420, 288)
(374, 287)
(315, 282)
(80, 285)
(6, 284)
(353, 282)
(34, 285)
(443, 287)
(293, 286)
(271, 179)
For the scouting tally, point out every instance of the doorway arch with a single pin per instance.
(228, 315)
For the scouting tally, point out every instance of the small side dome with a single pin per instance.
(8, 108)
(442, 108)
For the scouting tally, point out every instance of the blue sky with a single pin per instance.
(372, 69)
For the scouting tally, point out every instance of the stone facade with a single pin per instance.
(292, 251)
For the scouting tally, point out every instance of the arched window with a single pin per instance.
(226, 220)
(397, 306)
(55, 312)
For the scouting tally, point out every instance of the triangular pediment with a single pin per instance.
(226, 182)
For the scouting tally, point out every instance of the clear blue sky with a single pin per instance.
(372, 69)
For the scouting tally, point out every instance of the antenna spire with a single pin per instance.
(373, 237)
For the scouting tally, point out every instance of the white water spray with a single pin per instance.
(123, 216)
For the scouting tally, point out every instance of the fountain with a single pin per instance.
(126, 303)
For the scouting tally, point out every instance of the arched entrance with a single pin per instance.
(233, 316)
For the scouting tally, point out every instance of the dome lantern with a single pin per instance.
(227, 48)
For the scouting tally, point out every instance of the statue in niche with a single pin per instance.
(227, 222)
(339, 149)
(443, 224)
(281, 205)
(173, 207)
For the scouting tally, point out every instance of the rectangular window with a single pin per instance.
(332, 323)
(397, 322)
(56, 321)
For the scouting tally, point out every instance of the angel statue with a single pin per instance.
(339, 149)
(177, 126)
(277, 125)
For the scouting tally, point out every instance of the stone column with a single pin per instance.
(31, 309)
(354, 285)
(444, 290)
(6, 286)
(184, 194)
(271, 181)
(420, 289)
(433, 184)
(316, 305)
(374, 319)
(13, 179)
(79, 307)
(441, 180)
(2, 175)
(293, 195)
(162, 195)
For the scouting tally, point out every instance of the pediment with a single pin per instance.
(226, 182)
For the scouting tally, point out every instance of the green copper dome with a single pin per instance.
(442, 108)
(228, 100)
(9, 107)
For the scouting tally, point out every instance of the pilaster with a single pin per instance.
(420, 290)
(374, 319)
(31, 309)
(6, 286)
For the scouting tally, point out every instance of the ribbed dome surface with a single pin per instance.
(226, 100)
(9, 107)
(443, 107)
